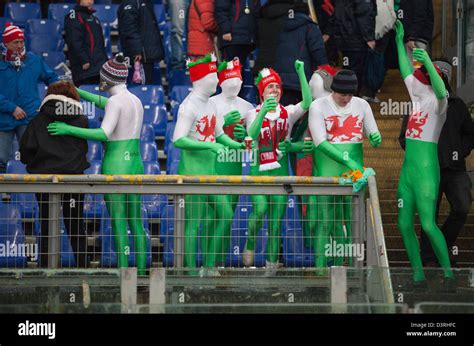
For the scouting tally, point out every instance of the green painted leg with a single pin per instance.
(325, 224)
(406, 219)
(135, 220)
(194, 212)
(256, 219)
(116, 206)
(347, 220)
(223, 222)
(276, 215)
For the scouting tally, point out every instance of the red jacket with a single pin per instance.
(201, 28)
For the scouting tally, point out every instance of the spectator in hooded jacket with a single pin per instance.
(46, 154)
(85, 41)
(20, 73)
(299, 38)
(139, 34)
(418, 20)
(202, 28)
(178, 10)
(352, 26)
(237, 22)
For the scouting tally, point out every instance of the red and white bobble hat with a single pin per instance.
(12, 33)
(228, 70)
(266, 77)
(202, 67)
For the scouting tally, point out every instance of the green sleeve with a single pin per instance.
(186, 143)
(406, 68)
(305, 90)
(436, 81)
(254, 129)
(228, 142)
(338, 156)
(88, 134)
(99, 101)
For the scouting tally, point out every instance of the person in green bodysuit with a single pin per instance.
(419, 178)
(199, 134)
(120, 130)
(337, 123)
(269, 125)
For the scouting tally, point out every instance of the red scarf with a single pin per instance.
(270, 137)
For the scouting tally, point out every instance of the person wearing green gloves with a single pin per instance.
(419, 178)
(270, 126)
(199, 134)
(233, 109)
(337, 123)
(120, 130)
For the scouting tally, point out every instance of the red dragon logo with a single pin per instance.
(351, 128)
(415, 124)
(205, 129)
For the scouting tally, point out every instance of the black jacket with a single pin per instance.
(46, 154)
(300, 39)
(457, 136)
(85, 41)
(138, 30)
(417, 18)
(231, 18)
(353, 24)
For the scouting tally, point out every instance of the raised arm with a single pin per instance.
(254, 130)
(436, 81)
(305, 89)
(406, 68)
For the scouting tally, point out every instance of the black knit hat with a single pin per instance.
(345, 82)
(114, 71)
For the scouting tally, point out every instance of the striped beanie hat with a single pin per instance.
(12, 33)
(114, 71)
(345, 82)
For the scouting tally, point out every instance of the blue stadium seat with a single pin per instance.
(148, 133)
(247, 74)
(248, 93)
(21, 12)
(53, 59)
(43, 27)
(169, 134)
(172, 161)
(66, 256)
(103, 2)
(59, 11)
(178, 77)
(174, 166)
(16, 150)
(108, 46)
(94, 204)
(149, 151)
(109, 255)
(166, 30)
(174, 111)
(149, 94)
(25, 201)
(179, 93)
(12, 236)
(153, 203)
(106, 13)
(42, 90)
(94, 152)
(157, 78)
(156, 116)
(40, 44)
(160, 15)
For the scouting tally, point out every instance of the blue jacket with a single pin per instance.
(21, 89)
(231, 18)
(300, 39)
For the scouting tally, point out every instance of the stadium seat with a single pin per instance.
(149, 151)
(148, 133)
(160, 15)
(66, 256)
(21, 12)
(106, 14)
(103, 2)
(157, 78)
(156, 116)
(3, 22)
(174, 111)
(59, 11)
(248, 93)
(40, 44)
(169, 134)
(166, 30)
(153, 203)
(16, 150)
(94, 204)
(53, 59)
(109, 254)
(149, 94)
(173, 169)
(108, 46)
(178, 77)
(12, 236)
(179, 93)
(43, 27)
(173, 157)
(25, 201)
(94, 152)
(42, 90)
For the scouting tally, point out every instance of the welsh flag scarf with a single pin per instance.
(270, 136)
